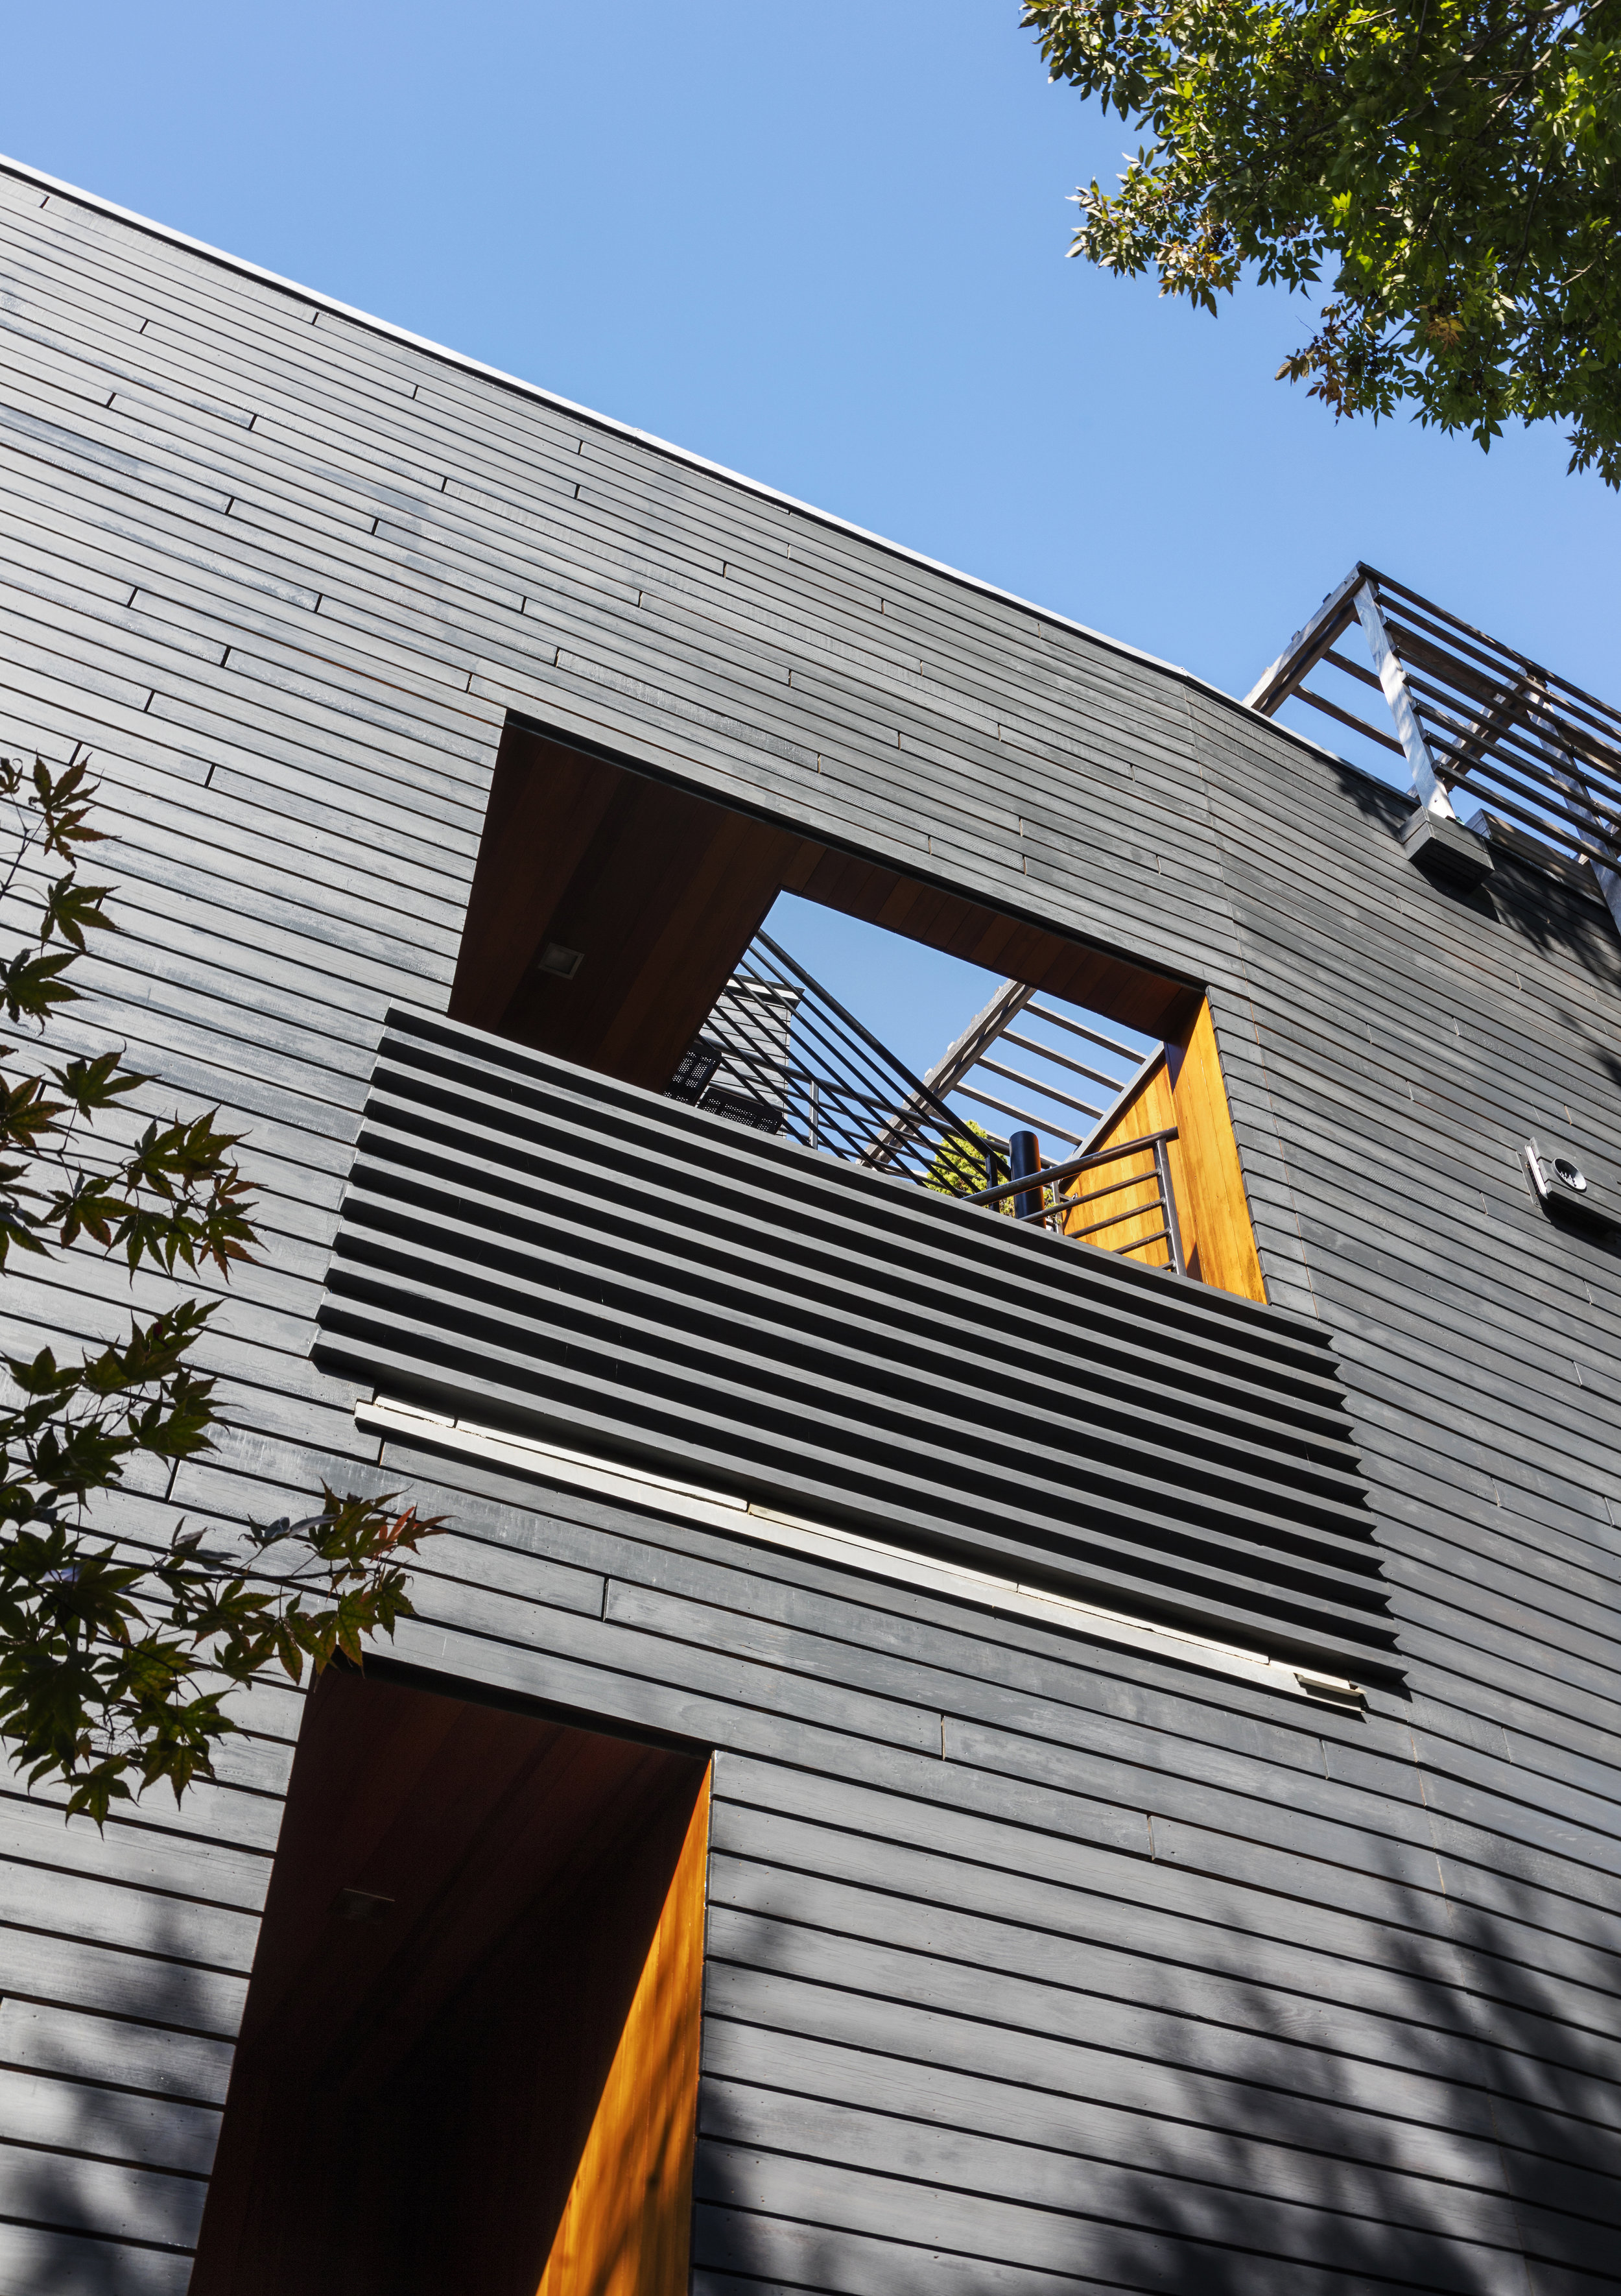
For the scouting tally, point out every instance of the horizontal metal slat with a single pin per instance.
(560, 1250)
(708, 1156)
(898, 1389)
(571, 1230)
(788, 1422)
(578, 1412)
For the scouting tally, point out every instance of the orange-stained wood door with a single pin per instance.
(625, 2227)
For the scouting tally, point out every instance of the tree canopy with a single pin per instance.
(1449, 170)
(118, 1657)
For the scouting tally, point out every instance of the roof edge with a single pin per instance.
(55, 187)
(53, 184)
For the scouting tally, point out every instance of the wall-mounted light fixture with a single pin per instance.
(362, 1906)
(1566, 1181)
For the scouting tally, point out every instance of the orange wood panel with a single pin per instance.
(1214, 1187)
(625, 2227)
(1149, 1108)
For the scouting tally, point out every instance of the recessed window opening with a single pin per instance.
(468, 2058)
(814, 995)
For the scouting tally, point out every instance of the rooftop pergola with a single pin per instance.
(1472, 719)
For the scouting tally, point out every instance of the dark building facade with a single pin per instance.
(931, 1754)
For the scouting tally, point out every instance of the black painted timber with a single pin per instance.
(550, 1250)
(1031, 1963)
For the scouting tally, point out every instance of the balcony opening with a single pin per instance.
(470, 2054)
(661, 938)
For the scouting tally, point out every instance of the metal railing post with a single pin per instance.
(1077, 1203)
(1024, 1159)
(1168, 1203)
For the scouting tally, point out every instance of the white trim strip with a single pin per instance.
(747, 1517)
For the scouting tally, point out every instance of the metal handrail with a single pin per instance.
(1475, 717)
(928, 1099)
(777, 1039)
(1051, 1175)
(779, 1052)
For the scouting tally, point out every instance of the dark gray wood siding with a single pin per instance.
(1031, 1963)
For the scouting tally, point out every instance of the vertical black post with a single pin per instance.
(1167, 1205)
(1024, 1157)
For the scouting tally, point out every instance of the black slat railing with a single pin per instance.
(533, 1245)
(781, 1055)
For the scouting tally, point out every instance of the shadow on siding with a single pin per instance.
(111, 2162)
(1437, 2122)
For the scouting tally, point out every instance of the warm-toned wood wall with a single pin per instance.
(626, 2229)
(658, 891)
(1149, 1108)
(1184, 1092)
(1205, 1167)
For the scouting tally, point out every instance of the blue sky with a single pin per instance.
(824, 246)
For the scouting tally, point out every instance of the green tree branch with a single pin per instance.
(1453, 165)
(115, 1662)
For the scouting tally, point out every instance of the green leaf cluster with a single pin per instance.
(1449, 170)
(117, 1661)
(958, 1165)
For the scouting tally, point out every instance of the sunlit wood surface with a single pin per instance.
(626, 2225)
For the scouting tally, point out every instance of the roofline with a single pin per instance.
(55, 187)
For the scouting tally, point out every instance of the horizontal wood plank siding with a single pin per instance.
(1031, 1962)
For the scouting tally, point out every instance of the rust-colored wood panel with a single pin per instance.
(807, 858)
(412, 2095)
(614, 908)
(547, 804)
(1215, 1181)
(625, 2227)
(844, 881)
